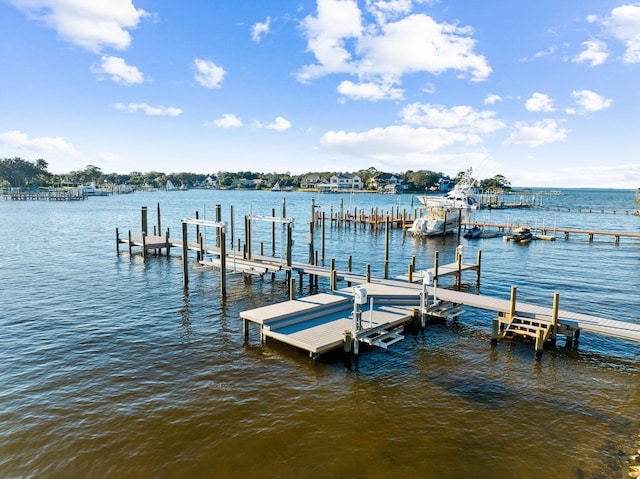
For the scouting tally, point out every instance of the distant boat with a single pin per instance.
(170, 186)
(93, 190)
(437, 221)
(277, 187)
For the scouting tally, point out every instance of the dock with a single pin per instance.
(369, 310)
(550, 233)
(324, 322)
(45, 195)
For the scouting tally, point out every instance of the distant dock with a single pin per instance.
(550, 233)
(45, 195)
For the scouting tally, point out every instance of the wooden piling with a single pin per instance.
(218, 220)
(386, 249)
(273, 233)
(332, 275)
(159, 223)
(117, 242)
(323, 234)
(185, 258)
(223, 262)
(495, 331)
(554, 317)
(512, 303)
(144, 220)
(435, 264)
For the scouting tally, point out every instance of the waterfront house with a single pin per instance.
(387, 182)
(310, 181)
(343, 181)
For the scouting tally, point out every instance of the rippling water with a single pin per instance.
(108, 369)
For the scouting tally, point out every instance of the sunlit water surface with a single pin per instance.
(109, 369)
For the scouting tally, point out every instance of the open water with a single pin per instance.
(108, 368)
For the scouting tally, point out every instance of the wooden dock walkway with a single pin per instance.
(321, 323)
(318, 323)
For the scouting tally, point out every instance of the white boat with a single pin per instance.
(170, 186)
(462, 196)
(475, 232)
(437, 221)
(93, 190)
(521, 234)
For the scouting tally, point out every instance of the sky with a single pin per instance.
(546, 93)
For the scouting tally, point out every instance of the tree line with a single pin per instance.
(20, 173)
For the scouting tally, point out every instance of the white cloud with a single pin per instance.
(539, 102)
(18, 139)
(336, 22)
(595, 52)
(536, 134)
(369, 91)
(458, 118)
(92, 25)
(279, 124)
(418, 43)
(391, 142)
(382, 53)
(492, 99)
(148, 109)
(119, 71)
(543, 53)
(228, 120)
(590, 101)
(624, 24)
(260, 29)
(208, 74)
(385, 10)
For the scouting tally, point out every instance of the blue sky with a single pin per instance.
(546, 93)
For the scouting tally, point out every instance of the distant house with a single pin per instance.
(342, 181)
(208, 182)
(446, 184)
(387, 183)
(310, 181)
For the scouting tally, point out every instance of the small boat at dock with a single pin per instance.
(521, 234)
(437, 221)
(475, 232)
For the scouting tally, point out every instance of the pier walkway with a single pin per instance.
(323, 322)
(549, 233)
(320, 323)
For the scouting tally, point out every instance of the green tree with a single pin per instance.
(498, 181)
(423, 179)
(18, 172)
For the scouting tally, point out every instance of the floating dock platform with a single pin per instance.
(324, 322)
